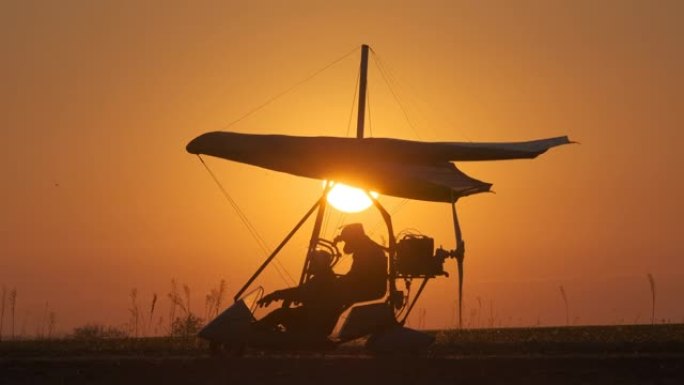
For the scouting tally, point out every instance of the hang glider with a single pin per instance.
(401, 168)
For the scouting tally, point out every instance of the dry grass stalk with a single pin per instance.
(2, 310)
(492, 316)
(214, 299)
(135, 311)
(173, 293)
(454, 305)
(473, 319)
(159, 325)
(13, 306)
(151, 316)
(43, 323)
(479, 311)
(51, 324)
(651, 282)
(154, 302)
(176, 302)
(565, 302)
(24, 322)
(186, 290)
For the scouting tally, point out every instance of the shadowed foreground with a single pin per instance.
(587, 355)
(349, 370)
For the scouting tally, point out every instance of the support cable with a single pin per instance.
(392, 212)
(340, 220)
(387, 78)
(370, 121)
(284, 274)
(351, 113)
(385, 70)
(289, 89)
(328, 213)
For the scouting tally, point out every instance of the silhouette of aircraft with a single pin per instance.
(401, 168)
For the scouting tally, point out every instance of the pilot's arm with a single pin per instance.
(289, 294)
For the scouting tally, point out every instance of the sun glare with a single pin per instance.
(349, 199)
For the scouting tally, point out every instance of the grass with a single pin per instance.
(597, 340)
(148, 346)
(628, 339)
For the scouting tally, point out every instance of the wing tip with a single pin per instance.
(195, 146)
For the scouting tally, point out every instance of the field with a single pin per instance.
(643, 354)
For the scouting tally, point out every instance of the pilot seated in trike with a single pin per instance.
(324, 296)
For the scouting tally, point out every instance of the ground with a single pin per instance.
(576, 355)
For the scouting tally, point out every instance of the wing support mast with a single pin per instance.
(317, 205)
(363, 82)
(321, 205)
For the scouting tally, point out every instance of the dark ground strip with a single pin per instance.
(641, 354)
(591, 340)
(339, 369)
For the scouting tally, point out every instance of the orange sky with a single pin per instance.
(99, 195)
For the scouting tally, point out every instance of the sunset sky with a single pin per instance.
(99, 196)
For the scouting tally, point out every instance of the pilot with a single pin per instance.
(319, 310)
(367, 277)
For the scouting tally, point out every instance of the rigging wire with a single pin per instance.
(392, 212)
(289, 89)
(340, 220)
(383, 66)
(370, 121)
(326, 215)
(252, 230)
(388, 80)
(351, 113)
(399, 206)
(238, 210)
(326, 221)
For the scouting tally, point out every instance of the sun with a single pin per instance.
(349, 199)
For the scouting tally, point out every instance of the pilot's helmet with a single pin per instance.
(352, 232)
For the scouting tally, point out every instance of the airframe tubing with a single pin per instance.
(415, 299)
(392, 247)
(316, 233)
(460, 255)
(280, 246)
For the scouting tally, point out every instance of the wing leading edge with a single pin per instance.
(401, 168)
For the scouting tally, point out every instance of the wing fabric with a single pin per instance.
(408, 169)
